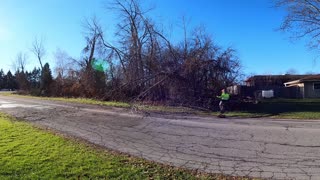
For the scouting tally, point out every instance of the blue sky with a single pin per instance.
(249, 26)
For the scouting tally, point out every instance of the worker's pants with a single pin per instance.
(222, 105)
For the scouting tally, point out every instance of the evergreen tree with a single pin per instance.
(34, 78)
(10, 81)
(22, 80)
(1, 79)
(46, 79)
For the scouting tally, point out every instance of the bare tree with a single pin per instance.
(92, 80)
(131, 32)
(63, 63)
(20, 62)
(184, 26)
(92, 35)
(21, 75)
(153, 68)
(139, 45)
(206, 69)
(302, 19)
(145, 65)
(38, 49)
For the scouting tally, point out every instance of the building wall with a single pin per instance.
(238, 90)
(261, 82)
(288, 92)
(309, 91)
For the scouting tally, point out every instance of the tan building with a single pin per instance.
(309, 87)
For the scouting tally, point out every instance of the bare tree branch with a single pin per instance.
(20, 62)
(302, 19)
(38, 49)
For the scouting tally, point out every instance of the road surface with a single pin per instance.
(267, 148)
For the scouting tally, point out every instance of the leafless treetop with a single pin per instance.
(38, 49)
(302, 19)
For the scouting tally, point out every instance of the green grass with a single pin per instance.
(242, 114)
(73, 100)
(284, 115)
(6, 93)
(282, 100)
(90, 101)
(299, 115)
(290, 108)
(166, 109)
(27, 152)
(280, 108)
(108, 103)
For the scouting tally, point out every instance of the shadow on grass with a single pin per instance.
(250, 115)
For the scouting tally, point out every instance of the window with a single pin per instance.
(316, 86)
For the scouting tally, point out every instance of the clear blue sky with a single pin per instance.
(246, 25)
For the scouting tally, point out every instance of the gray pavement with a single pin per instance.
(266, 148)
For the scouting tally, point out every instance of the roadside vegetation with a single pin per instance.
(280, 108)
(74, 100)
(28, 152)
(272, 108)
(139, 63)
(290, 108)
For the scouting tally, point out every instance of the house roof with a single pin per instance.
(285, 77)
(309, 78)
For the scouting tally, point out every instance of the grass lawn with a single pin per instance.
(75, 100)
(280, 108)
(108, 103)
(27, 152)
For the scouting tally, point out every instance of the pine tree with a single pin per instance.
(1, 79)
(10, 81)
(46, 79)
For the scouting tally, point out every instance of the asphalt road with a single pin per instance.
(275, 149)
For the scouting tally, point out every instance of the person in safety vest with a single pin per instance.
(223, 100)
